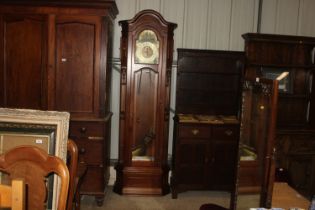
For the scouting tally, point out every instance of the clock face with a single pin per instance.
(147, 48)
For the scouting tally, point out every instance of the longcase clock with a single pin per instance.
(146, 61)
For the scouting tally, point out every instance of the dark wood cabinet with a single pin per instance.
(146, 62)
(55, 56)
(292, 56)
(23, 53)
(205, 156)
(92, 138)
(290, 59)
(206, 124)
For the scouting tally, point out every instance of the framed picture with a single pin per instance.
(47, 130)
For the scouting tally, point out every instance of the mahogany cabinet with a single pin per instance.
(146, 62)
(289, 59)
(55, 55)
(205, 154)
(207, 120)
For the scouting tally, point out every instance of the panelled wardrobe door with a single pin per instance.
(55, 55)
(77, 65)
(82, 87)
(22, 61)
(146, 59)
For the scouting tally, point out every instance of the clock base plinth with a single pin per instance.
(142, 180)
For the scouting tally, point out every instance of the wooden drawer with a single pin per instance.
(194, 131)
(82, 129)
(229, 133)
(90, 151)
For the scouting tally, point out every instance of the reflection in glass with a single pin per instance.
(282, 75)
(256, 143)
(145, 109)
(147, 48)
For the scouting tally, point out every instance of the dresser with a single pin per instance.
(55, 55)
(205, 153)
(206, 122)
(291, 60)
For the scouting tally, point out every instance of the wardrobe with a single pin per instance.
(55, 55)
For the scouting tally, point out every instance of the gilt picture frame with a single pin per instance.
(45, 129)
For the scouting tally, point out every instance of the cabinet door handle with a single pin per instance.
(95, 138)
(228, 132)
(195, 131)
(83, 130)
(81, 151)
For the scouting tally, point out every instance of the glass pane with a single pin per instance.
(145, 109)
(254, 139)
(284, 76)
(147, 48)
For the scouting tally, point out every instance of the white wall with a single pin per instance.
(212, 24)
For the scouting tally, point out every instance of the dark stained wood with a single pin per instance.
(144, 107)
(204, 162)
(34, 164)
(296, 118)
(27, 90)
(256, 175)
(291, 53)
(55, 55)
(205, 154)
(77, 51)
(92, 138)
(203, 75)
(72, 163)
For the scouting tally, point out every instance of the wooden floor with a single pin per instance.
(286, 197)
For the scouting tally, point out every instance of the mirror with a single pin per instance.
(256, 168)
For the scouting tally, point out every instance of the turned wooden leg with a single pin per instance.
(99, 200)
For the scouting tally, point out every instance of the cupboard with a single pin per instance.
(289, 59)
(55, 55)
(207, 123)
(224, 126)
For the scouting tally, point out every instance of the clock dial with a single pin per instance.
(147, 48)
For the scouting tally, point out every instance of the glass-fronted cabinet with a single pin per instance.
(256, 166)
(291, 60)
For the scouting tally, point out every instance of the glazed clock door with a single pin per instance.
(145, 85)
(146, 58)
(144, 92)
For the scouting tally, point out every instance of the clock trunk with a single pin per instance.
(146, 62)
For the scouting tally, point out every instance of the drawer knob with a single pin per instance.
(82, 151)
(83, 129)
(228, 132)
(195, 131)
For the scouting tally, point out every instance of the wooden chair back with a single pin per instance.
(34, 165)
(12, 196)
(72, 163)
